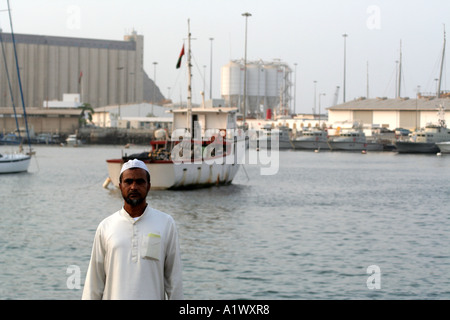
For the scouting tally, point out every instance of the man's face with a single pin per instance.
(134, 186)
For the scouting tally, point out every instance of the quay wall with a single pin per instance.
(115, 136)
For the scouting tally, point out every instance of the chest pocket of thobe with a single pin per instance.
(151, 246)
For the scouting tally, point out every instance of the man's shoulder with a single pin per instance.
(159, 214)
(110, 219)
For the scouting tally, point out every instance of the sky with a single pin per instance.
(306, 33)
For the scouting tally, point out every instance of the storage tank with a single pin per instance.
(273, 85)
(231, 79)
(274, 77)
(256, 80)
(256, 86)
(266, 81)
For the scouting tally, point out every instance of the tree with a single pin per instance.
(86, 114)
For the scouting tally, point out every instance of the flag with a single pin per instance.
(179, 58)
(81, 75)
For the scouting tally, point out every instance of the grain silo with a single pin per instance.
(232, 83)
(267, 82)
(103, 72)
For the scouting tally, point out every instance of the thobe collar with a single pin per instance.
(127, 216)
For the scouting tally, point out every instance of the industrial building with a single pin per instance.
(40, 120)
(116, 115)
(390, 113)
(103, 72)
(268, 84)
(59, 74)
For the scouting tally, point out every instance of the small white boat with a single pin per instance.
(73, 141)
(17, 162)
(14, 162)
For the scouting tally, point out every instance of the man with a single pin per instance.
(135, 254)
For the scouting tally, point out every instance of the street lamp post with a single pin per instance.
(204, 78)
(210, 70)
(315, 97)
(295, 89)
(320, 94)
(154, 85)
(345, 61)
(246, 15)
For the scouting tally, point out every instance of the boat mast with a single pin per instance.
(9, 86)
(438, 94)
(189, 96)
(18, 77)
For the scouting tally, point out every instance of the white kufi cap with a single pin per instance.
(134, 164)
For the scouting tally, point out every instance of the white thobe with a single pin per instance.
(135, 259)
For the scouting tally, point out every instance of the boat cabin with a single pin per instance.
(205, 122)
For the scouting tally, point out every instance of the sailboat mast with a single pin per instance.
(18, 77)
(438, 94)
(189, 94)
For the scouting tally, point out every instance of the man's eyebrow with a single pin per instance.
(137, 180)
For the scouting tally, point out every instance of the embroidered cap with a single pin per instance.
(135, 163)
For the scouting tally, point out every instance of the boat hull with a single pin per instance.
(311, 145)
(374, 146)
(444, 147)
(416, 147)
(171, 175)
(14, 163)
(348, 146)
(267, 144)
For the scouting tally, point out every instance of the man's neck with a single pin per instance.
(135, 211)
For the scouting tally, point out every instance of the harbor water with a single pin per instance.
(328, 225)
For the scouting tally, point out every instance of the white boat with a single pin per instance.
(350, 140)
(73, 141)
(314, 139)
(14, 162)
(444, 147)
(280, 135)
(425, 140)
(212, 158)
(206, 148)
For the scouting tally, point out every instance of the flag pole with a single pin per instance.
(189, 96)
